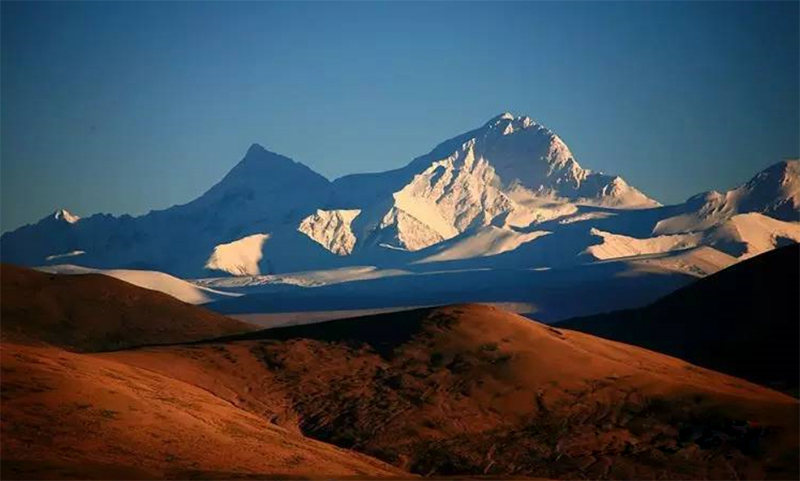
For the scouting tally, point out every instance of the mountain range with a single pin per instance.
(104, 377)
(507, 195)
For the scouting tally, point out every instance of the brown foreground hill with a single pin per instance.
(80, 416)
(475, 390)
(93, 312)
(459, 390)
(67, 415)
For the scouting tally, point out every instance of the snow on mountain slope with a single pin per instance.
(747, 235)
(240, 257)
(283, 250)
(524, 154)
(584, 216)
(64, 255)
(399, 230)
(156, 281)
(554, 294)
(542, 210)
(487, 241)
(615, 246)
(741, 236)
(331, 229)
(263, 192)
(774, 192)
(301, 279)
(530, 156)
(503, 183)
(503, 173)
(698, 262)
(510, 171)
(455, 194)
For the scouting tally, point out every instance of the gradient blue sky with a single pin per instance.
(127, 107)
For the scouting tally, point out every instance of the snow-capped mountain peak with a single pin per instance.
(507, 123)
(503, 116)
(498, 174)
(528, 157)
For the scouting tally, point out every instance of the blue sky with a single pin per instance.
(127, 107)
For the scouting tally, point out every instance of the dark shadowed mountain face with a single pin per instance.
(742, 321)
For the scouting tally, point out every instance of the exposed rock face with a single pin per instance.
(331, 229)
(400, 230)
(453, 195)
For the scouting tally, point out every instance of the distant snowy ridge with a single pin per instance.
(508, 194)
(774, 192)
(742, 235)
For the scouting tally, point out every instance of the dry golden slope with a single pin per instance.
(70, 415)
(475, 390)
